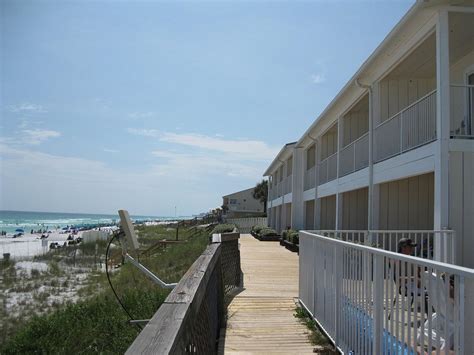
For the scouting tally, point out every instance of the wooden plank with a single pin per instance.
(260, 318)
(159, 335)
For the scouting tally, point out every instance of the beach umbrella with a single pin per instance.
(19, 230)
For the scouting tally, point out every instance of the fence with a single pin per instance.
(433, 245)
(310, 178)
(373, 301)
(462, 111)
(192, 315)
(245, 224)
(354, 156)
(328, 169)
(414, 126)
(288, 184)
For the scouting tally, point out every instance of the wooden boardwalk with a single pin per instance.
(261, 317)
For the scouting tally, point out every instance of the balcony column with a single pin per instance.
(441, 188)
(340, 142)
(297, 207)
(317, 201)
(373, 198)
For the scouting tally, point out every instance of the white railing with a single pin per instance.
(328, 169)
(373, 301)
(310, 178)
(245, 224)
(354, 156)
(430, 244)
(462, 111)
(412, 127)
(288, 184)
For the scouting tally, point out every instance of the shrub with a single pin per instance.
(286, 234)
(223, 228)
(295, 239)
(256, 229)
(268, 232)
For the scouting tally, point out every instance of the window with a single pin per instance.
(233, 201)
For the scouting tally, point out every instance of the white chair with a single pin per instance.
(436, 287)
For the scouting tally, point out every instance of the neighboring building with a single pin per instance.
(241, 204)
(395, 148)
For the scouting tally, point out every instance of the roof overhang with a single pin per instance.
(283, 155)
(365, 75)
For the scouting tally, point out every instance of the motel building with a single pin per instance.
(390, 157)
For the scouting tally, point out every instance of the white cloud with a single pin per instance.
(27, 107)
(318, 78)
(144, 132)
(108, 150)
(249, 149)
(141, 115)
(38, 136)
(40, 182)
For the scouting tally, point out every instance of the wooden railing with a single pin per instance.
(190, 319)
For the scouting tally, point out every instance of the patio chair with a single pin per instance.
(437, 298)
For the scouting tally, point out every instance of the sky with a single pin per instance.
(152, 105)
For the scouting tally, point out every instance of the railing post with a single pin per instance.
(338, 280)
(401, 132)
(377, 296)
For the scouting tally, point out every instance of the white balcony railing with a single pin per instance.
(310, 178)
(431, 244)
(328, 169)
(288, 184)
(462, 111)
(373, 301)
(412, 127)
(354, 156)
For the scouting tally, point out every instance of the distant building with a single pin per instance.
(241, 204)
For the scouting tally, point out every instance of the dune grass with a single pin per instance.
(97, 323)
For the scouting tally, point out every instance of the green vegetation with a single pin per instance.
(260, 192)
(224, 228)
(256, 229)
(291, 236)
(316, 337)
(267, 232)
(97, 323)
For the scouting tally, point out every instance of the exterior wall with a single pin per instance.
(425, 186)
(328, 212)
(396, 94)
(407, 203)
(461, 204)
(355, 124)
(244, 203)
(329, 143)
(309, 215)
(287, 215)
(354, 209)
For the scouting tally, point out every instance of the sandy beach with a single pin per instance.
(29, 245)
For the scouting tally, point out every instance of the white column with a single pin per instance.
(317, 201)
(297, 208)
(339, 195)
(441, 185)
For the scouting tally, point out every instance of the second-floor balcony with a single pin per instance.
(412, 127)
(310, 178)
(354, 156)
(288, 185)
(462, 111)
(328, 169)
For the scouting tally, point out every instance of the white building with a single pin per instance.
(242, 204)
(395, 148)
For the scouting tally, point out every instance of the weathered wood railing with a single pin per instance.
(190, 319)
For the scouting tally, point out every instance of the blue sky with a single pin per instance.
(155, 104)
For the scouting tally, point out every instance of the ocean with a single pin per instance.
(12, 220)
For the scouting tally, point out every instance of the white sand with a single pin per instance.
(29, 245)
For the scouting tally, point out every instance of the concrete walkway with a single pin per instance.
(261, 317)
